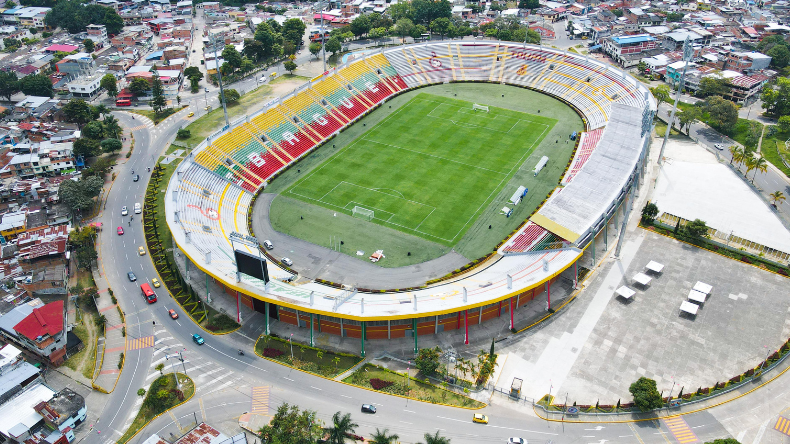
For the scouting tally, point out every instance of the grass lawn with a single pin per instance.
(288, 77)
(398, 384)
(153, 406)
(306, 358)
(215, 119)
(661, 129)
(774, 149)
(429, 167)
(85, 360)
(85, 279)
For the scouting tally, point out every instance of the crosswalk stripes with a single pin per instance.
(680, 430)
(260, 400)
(138, 343)
(783, 425)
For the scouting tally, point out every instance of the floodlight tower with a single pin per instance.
(688, 53)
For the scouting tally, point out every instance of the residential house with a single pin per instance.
(52, 49)
(76, 65)
(628, 50)
(64, 411)
(43, 332)
(86, 87)
(12, 224)
(97, 33)
(747, 62)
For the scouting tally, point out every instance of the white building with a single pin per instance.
(86, 87)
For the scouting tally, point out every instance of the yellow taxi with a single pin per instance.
(190, 114)
(141, 251)
(480, 418)
(156, 282)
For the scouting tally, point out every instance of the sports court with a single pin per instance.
(428, 169)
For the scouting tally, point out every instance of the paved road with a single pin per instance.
(225, 402)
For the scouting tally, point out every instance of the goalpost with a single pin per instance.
(476, 107)
(362, 213)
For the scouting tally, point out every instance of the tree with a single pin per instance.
(193, 72)
(293, 31)
(315, 48)
(9, 84)
(12, 44)
(784, 124)
(641, 67)
(139, 86)
(333, 45)
(661, 93)
(649, 213)
(427, 360)
(776, 99)
(89, 45)
(377, 33)
(111, 145)
(675, 16)
(403, 27)
(141, 392)
(758, 164)
(113, 22)
(341, 426)
(780, 56)
(231, 96)
(777, 197)
(383, 437)
(289, 66)
(360, 25)
(441, 26)
(78, 195)
(93, 130)
(160, 367)
(86, 147)
(183, 133)
(736, 155)
(77, 111)
(645, 394)
(292, 426)
(246, 66)
(158, 100)
(111, 126)
(268, 37)
(109, 84)
(37, 85)
(713, 85)
(436, 439)
(231, 56)
(724, 441)
(687, 117)
(696, 228)
(528, 4)
(253, 49)
(723, 113)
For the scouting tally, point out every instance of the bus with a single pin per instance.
(123, 102)
(148, 294)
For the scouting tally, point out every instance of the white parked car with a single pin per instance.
(137, 208)
(287, 261)
(124, 211)
(719, 146)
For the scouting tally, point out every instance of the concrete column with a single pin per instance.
(466, 327)
(414, 329)
(266, 316)
(499, 310)
(606, 236)
(593, 249)
(548, 292)
(436, 325)
(312, 342)
(341, 327)
(318, 320)
(363, 339)
(510, 301)
(480, 316)
(575, 274)
(389, 331)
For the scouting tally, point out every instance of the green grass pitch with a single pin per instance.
(429, 169)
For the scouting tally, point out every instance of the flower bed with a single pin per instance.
(306, 358)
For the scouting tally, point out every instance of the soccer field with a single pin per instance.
(428, 169)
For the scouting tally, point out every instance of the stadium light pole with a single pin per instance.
(688, 52)
(321, 6)
(219, 77)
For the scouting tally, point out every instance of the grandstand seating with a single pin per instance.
(252, 152)
(587, 144)
(529, 236)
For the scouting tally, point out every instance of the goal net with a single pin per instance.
(476, 107)
(362, 213)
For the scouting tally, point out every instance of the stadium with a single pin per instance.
(410, 146)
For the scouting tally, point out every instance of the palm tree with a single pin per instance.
(750, 162)
(761, 165)
(111, 126)
(436, 439)
(341, 425)
(777, 197)
(735, 154)
(102, 110)
(381, 437)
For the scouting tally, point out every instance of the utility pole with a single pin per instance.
(688, 53)
(219, 77)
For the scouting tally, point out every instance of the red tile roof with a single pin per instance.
(45, 320)
(748, 81)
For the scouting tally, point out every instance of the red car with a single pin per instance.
(120, 231)
(172, 314)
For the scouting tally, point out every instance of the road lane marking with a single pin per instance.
(408, 411)
(316, 388)
(501, 427)
(288, 379)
